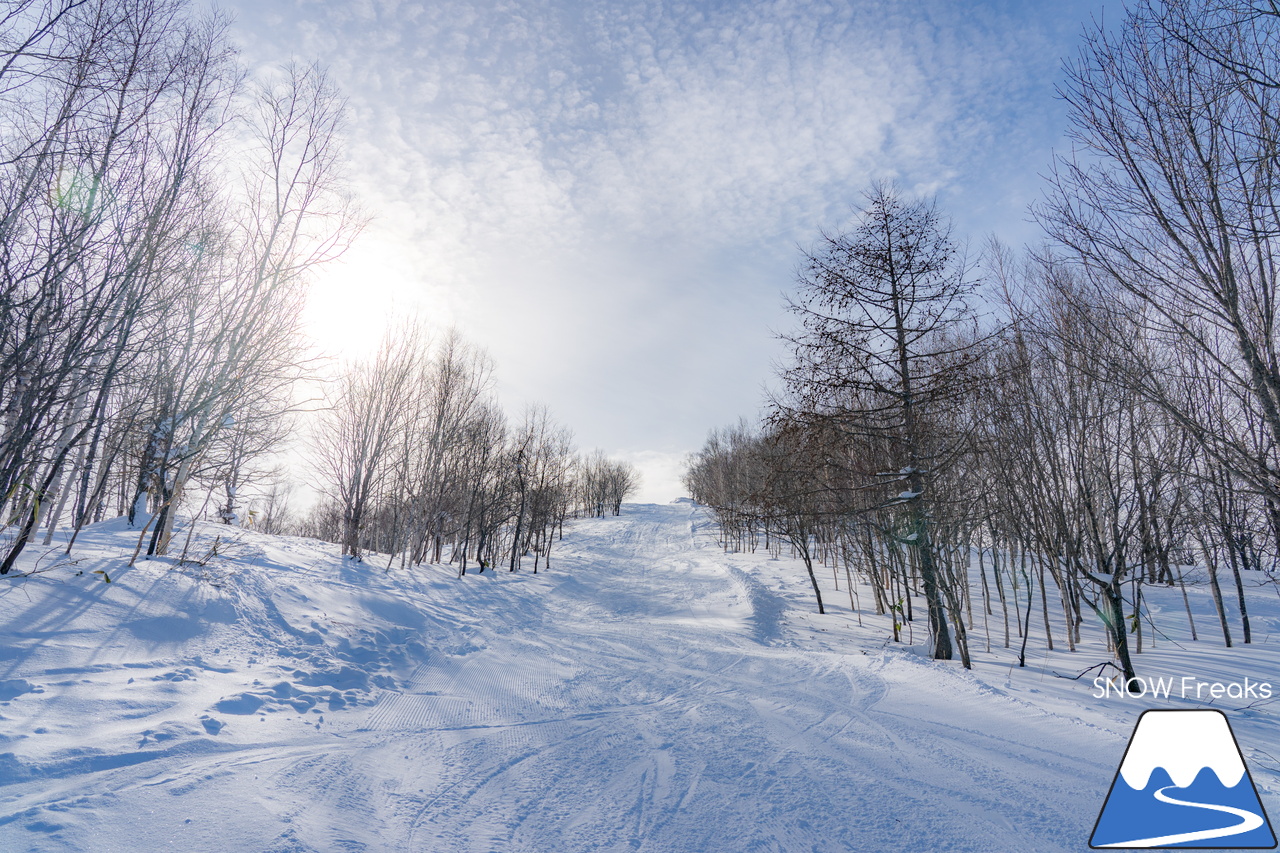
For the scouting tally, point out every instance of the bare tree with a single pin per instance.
(1173, 199)
(369, 412)
(604, 483)
(110, 144)
(295, 217)
(886, 341)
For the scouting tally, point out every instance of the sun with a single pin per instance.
(352, 301)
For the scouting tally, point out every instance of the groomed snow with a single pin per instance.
(648, 693)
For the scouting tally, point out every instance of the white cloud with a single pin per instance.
(608, 195)
(660, 475)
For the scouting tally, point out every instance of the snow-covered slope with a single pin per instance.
(647, 693)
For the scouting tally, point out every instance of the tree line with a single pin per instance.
(161, 214)
(418, 462)
(1082, 420)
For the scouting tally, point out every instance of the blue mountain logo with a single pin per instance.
(1183, 783)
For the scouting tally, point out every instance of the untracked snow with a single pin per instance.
(647, 693)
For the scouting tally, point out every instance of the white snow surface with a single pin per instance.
(647, 693)
(1201, 739)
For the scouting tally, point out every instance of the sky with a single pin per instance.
(612, 197)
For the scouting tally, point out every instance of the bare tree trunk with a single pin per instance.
(1212, 565)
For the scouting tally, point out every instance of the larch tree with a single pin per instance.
(886, 341)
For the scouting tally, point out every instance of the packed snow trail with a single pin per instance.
(646, 693)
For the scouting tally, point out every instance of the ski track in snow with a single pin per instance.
(647, 693)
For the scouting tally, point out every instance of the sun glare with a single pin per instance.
(352, 302)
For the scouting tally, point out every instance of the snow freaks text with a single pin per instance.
(1185, 687)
